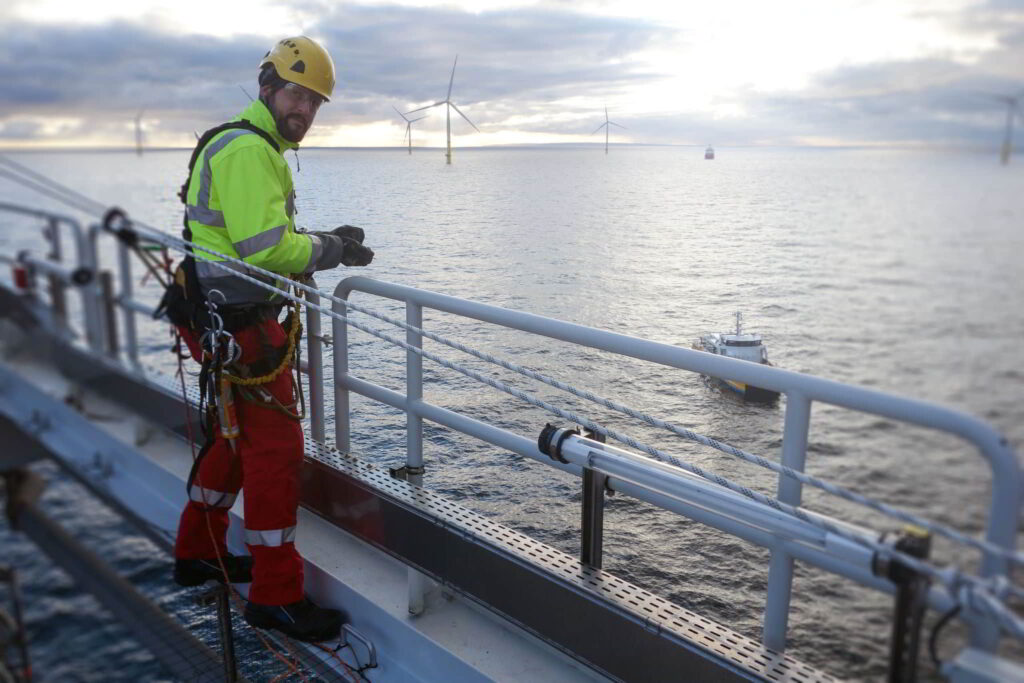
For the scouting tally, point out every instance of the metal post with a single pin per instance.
(57, 288)
(342, 419)
(414, 394)
(110, 320)
(910, 603)
(131, 338)
(414, 434)
(227, 640)
(780, 572)
(315, 362)
(592, 540)
(217, 595)
(92, 296)
(592, 518)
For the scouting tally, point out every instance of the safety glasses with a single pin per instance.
(299, 95)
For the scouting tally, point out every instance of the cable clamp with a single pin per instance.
(550, 441)
(406, 471)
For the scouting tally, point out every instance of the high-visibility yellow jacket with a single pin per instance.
(241, 203)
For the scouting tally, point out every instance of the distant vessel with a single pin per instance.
(742, 346)
(709, 153)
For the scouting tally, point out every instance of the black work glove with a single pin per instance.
(332, 250)
(355, 254)
(350, 231)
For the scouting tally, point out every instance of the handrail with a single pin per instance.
(801, 391)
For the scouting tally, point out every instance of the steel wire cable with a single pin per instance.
(44, 190)
(962, 589)
(70, 194)
(975, 591)
(828, 487)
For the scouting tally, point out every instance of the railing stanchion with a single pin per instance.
(780, 571)
(414, 434)
(342, 426)
(592, 542)
(107, 303)
(315, 349)
(592, 518)
(57, 289)
(92, 295)
(131, 337)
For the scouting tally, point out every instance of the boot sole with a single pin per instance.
(271, 624)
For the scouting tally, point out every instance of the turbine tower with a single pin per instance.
(607, 126)
(138, 132)
(408, 126)
(449, 105)
(1012, 109)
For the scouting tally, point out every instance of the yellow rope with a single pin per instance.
(293, 339)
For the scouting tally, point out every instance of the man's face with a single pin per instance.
(294, 108)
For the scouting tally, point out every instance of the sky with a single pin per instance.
(733, 72)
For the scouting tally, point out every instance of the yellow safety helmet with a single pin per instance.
(301, 60)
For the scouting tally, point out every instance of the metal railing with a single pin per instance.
(783, 535)
(830, 544)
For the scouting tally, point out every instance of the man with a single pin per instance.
(240, 202)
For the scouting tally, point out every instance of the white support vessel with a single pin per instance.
(742, 346)
(435, 591)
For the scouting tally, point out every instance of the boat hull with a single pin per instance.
(748, 392)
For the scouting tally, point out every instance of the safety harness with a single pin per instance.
(221, 372)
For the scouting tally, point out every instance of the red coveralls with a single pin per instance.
(268, 460)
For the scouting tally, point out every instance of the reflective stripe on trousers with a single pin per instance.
(270, 538)
(212, 498)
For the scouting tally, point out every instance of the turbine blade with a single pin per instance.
(398, 112)
(429, 106)
(465, 117)
(407, 133)
(600, 127)
(606, 113)
(418, 118)
(617, 125)
(452, 79)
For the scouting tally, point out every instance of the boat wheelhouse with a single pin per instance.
(741, 345)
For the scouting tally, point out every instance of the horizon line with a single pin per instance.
(523, 145)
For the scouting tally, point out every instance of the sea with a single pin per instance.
(895, 269)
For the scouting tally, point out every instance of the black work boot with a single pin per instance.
(300, 620)
(196, 572)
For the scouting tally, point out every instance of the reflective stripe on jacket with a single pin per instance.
(241, 202)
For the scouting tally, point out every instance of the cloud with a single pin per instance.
(21, 129)
(116, 68)
(534, 69)
(385, 55)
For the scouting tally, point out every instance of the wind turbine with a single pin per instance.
(408, 126)
(449, 105)
(1012, 107)
(607, 126)
(138, 132)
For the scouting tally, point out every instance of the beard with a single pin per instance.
(291, 127)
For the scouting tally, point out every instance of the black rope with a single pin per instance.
(933, 639)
